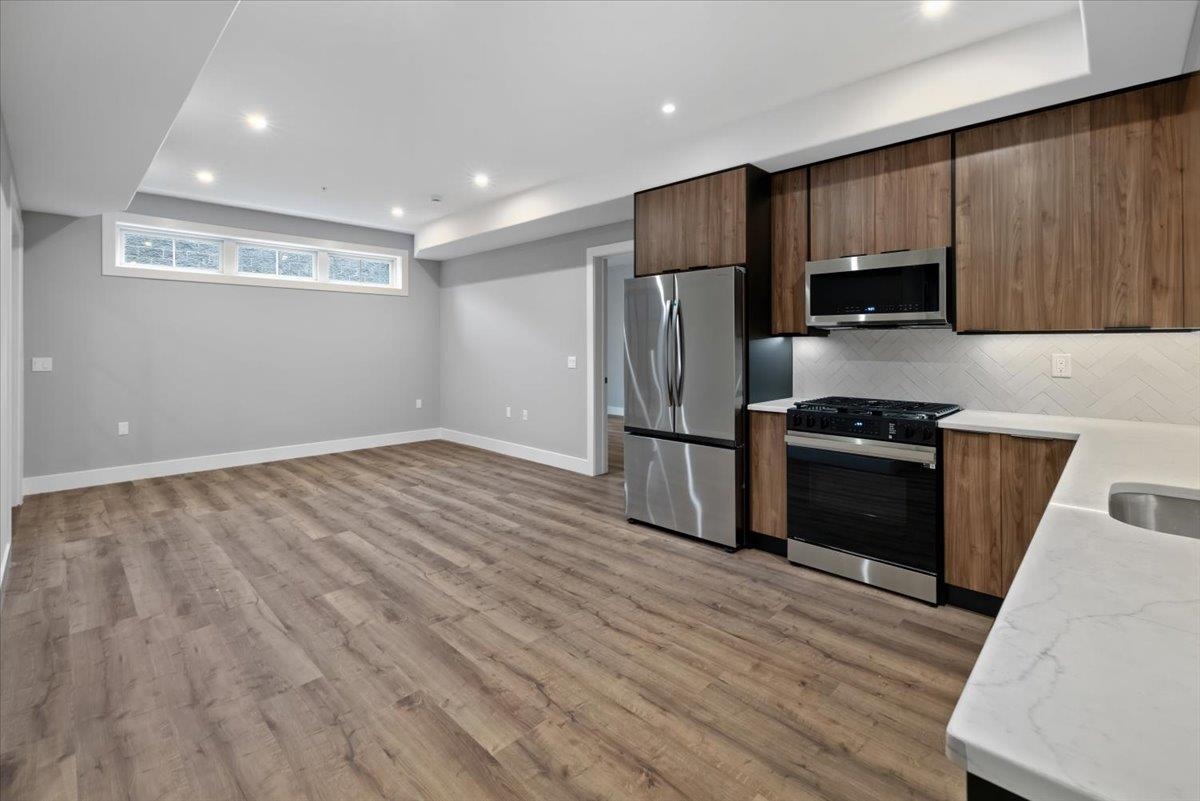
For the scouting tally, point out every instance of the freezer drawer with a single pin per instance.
(685, 487)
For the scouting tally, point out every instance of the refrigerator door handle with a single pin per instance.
(679, 353)
(673, 398)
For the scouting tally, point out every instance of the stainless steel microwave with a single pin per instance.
(904, 288)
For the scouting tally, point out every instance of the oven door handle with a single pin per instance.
(921, 454)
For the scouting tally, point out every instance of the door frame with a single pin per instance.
(597, 407)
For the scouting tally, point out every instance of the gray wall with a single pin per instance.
(202, 369)
(619, 269)
(509, 320)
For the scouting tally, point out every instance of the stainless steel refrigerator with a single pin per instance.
(685, 388)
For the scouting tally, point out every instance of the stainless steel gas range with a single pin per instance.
(865, 491)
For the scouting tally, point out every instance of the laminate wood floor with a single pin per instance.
(431, 621)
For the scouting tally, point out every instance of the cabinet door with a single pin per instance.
(843, 207)
(912, 195)
(973, 516)
(1023, 252)
(649, 245)
(725, 226)
(768, 474)
(789, 250)
(1029, 472)
(691, 202)
(1136, 150)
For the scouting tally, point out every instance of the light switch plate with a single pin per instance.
(42, 364)
(508, 411)
(122, 428)
(418, 403)
(524, 414)
(1060, 365)
(572, 362)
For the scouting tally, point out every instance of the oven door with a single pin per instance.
(872, 499)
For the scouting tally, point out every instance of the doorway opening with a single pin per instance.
(608, 267)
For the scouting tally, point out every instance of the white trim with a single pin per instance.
(526, 452)
(597, 429)
(218, 461)
(111, 264)
(56, 482)
(616, 411)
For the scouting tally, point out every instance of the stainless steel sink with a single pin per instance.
(1169, 510)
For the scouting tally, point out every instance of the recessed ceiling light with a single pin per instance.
(147, 242)
(257, 122)
(204, 176)
(935, 8)
(481, 180)
(397, 211)
(668, 108)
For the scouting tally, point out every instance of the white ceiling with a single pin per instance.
(381, 104)
(87, 94)
(378, 104)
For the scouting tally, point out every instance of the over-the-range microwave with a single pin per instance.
(900, 289)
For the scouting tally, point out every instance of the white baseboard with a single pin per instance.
(34, 485)
(217, 461)
(575, 464)
(617, 411)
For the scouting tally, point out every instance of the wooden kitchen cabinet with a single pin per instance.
(997, 488)
(895, 198)
(789, 250)
(1082, 217)
(768, 474)
(692, 224)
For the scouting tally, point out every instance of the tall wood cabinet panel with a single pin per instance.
(789, 250)
(691, 224)
(895, 198)
(997, 489)
(1137, 206)
(768, 474)
(1191, 204)
(1080, 217)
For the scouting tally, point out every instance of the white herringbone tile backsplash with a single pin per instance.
(1154, 377)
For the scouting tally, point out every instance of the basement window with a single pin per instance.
(137, 246)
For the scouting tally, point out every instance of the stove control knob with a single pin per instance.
(811, 421)
(824, 422)
(927, 434)
(908, 432)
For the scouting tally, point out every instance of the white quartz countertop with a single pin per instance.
(780, 406)
(1088, 686)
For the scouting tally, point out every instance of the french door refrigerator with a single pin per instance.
(685, 354)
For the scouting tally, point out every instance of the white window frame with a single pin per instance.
(231, 238)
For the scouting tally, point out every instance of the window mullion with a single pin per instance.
(229, 256)
(322, 267)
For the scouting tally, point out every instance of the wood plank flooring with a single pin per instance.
(431, 621)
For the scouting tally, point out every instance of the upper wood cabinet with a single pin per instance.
(896, 198)
(997, 489)
(789, 250)
(768, 474)
(696, 223)
(1082, 217)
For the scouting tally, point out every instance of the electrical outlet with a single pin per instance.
(572, 362)
(1060, 365)
(418, 403)
(122, 428)
(508, 411)
(524, 414)
(42, 364)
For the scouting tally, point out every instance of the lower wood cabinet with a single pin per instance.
(768, 474)
(997, 488)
